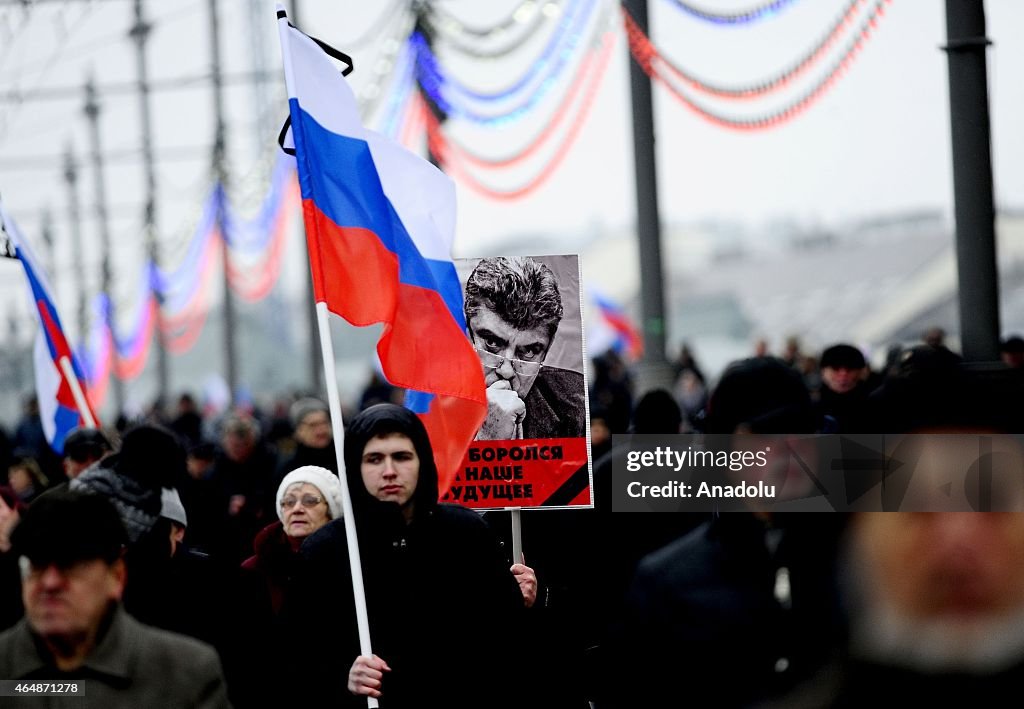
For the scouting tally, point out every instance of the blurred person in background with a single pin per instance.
(1011, 351)
(611, 391)
(6, 450)
(761, 348)
(30, 439)
(29, 435)
(378, 391)
(204, 500)
(844, 390)
(934, 337)
(791, 353)
(279, 428)
(83, 448)
(600, 432)
(313, 436)
(26, 478)
(244, 468)
(11, 509)
(692, 396)
(187, 422)
(686, 360)
(744, 607)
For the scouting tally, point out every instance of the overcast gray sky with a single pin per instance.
(878, 142)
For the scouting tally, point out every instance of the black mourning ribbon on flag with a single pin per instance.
(331, 52)
(6, 244)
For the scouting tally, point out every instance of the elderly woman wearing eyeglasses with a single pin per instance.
(307, 499)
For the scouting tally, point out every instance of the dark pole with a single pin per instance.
(654, 371)
(972, 180)
(221, 174)
(46, 231)
(75, 220)
(140, 33)
(316, 367)
(92, 111)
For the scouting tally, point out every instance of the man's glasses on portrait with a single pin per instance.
(306, 501)
(521, 367)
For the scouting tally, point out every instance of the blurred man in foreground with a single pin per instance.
(936, 603)
(75, 630)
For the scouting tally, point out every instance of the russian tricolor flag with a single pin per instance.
(380, 222)
(58, 409)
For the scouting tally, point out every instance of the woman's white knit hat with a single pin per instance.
(322, 479)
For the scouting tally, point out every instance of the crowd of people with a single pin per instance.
(192, 561)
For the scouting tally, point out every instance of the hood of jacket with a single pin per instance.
(381, 420)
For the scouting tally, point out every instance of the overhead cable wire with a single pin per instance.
(764, 86)
(743, 17)
(473, 157)
(451, 38)
(510, 114)
(649, 59)
(451, 158)
(390, 67)
(550, 62)
(8, 117)
(397, 103)
(180, 11)
(452, 25)
(398, 9)
(128, 88)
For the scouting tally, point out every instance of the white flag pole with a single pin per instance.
(517, 536)
(76, 392)
(334, 403)
(355, 565)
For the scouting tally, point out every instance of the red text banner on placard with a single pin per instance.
(541, 472)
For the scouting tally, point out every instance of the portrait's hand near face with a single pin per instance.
(511, 359)
(505, 413)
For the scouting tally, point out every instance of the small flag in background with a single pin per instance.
(380, 222)
(58, 409)
(612, 329)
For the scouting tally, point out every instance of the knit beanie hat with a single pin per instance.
(322, 479)
(303, 408)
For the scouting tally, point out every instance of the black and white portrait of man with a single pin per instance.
(523, 319)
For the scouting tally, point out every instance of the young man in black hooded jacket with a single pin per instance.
(442, 604)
